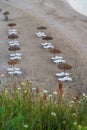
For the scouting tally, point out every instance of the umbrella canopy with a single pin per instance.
(12, 24)
(12, 36)
(64, 66)
(14, 48)
(6, 13)
(13, 62)
(41, 28)
(47, 38)
(54, 51)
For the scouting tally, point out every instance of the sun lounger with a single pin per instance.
(10, 42)
(59, 61)
(62, 74)
(56, 58)
(48, 46)
(11, 33)
(40, 34)
(15, 57)
(15, 54)
(66, 78)
(46, 43)
(13, 69)
(12, 30)
(14, 44)
(15, 72)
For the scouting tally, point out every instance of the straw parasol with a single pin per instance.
(41, 28)
(13, 62)
(64, 66)
(11, 24)
(54, 51)
(14, 48)
(47, 38)
(6, 13)
(12, 36)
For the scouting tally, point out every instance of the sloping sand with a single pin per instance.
(67, 27)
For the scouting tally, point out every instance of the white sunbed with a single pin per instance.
(48, 46)
(46, 43)
(14, 44)
(10, 42)
(13, 69)
(11, 33)
(12, 30)
(66, 78)
(40, 34)
(15, 57)
(59, 61)
(56, 57)
(15, 54)
(15, 72)
(62, 74)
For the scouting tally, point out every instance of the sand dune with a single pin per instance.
(69, 30)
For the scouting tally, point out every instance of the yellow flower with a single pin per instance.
(22, 84)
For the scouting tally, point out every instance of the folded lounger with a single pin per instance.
(62, 74)
(15, 54)
(15, 57)
(56, 57)
(66, 78)
(48, 46)
(59, 61)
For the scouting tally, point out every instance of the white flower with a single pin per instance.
(84, 95)
(45, 91)
(49, 95)
(2, 75)
(55, 93)
(26, 126)
(33, 88)
(53, 113)
(19, 88)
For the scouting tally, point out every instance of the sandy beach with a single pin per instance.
(69, 31)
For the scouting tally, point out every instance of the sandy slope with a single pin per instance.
(69, 30)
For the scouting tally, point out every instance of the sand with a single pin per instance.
(69, 31)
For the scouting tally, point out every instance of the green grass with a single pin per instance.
(25, 108)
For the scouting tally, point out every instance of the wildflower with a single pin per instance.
(2, 75)
(33, 88)
(26, 126)
(19, 88)
(6, 91)
(55, 93)
(50, 96)
(74, 114)
(45, 91)
(22, 84)
(64, 122)
(25, 91)
(53, 114)
(84, 95)
(72, 102)
(75, 123)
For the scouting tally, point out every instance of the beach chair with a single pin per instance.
(66, 78)
(40, 34)
(46, 43)
(48, 46)
(15, 57)
(62, 74)
(59, 61)
(56, 57)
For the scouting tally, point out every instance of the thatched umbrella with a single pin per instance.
(6, 13)
(13, 36)
(41, 28)
(47, 38)
(11, 24)
(13, 62)
(14, 48)
(54, 51)
(64, 66)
